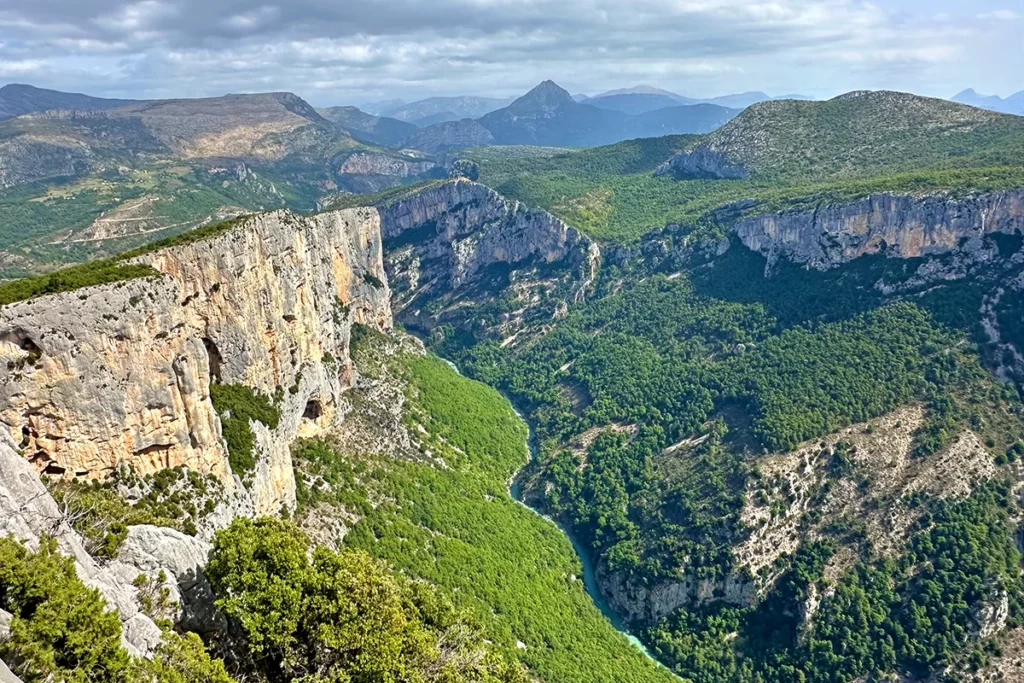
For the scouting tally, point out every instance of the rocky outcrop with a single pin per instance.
(649, 604)
(701, 163)
(153, 549)
(6, 675)
(120, 373)
(27, 512)
(28, 158)
(369, 172)
(369, 163)
(902, 226)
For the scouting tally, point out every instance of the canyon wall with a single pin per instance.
(460, 241)
(120, 373)
(899, 225)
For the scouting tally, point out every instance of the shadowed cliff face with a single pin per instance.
(902, 226)
(462, 242)
(120, 373)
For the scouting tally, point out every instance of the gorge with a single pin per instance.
(123, 375)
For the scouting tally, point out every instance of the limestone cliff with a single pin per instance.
(649, 604)
(459, 240)
(120, 373)
(899, 225)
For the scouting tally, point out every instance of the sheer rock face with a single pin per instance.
(368, 163)
(452, 240)
(649, 604)
(701, 163)
(903, 226)
(121, 373)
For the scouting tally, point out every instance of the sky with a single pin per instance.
(333, 52)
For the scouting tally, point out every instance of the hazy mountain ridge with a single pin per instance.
(377, 130)
(448, 108)
(17, 99)
(636, 96)
(549, 116)
(1012, 104)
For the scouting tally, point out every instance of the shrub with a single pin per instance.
(340, 615)
(237, 405)
(61, 630)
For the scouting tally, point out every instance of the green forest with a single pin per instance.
(754, 365)
(456, 527)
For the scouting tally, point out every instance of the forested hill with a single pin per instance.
(866, 132)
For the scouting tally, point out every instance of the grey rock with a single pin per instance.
(902, 226)
(452, 241)
(142, 633)
(119, 374)
(990, 616)
(152, 549)
(701, 163)
(27, 511)
(6, 675)
(649, 604)
(5, 624)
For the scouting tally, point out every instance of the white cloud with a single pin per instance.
(21, 67)
(370, 49)
(999, 15)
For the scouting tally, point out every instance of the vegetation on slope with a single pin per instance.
(918, 613)
(446, 517)
(106, 271)
(46, 224)
(865, 133)
(237, 405)
(61, 630)
(177, 498)
(332, 615)
(725, 364)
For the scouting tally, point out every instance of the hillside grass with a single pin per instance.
(863, 134)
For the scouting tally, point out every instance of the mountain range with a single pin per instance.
(17, 99)
(548, 115)
(1014, 104)
(439, 109)
(644, 98)
(107, 173)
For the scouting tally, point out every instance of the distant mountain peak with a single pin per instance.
(547, 95)
(1013, 104)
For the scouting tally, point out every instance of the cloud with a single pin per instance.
(999, 15)
(359, 50)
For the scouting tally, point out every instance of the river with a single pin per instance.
(589, 573)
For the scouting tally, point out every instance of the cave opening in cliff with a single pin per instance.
(214, 358)
(23, 341)
(313, 410)
(54, 470)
